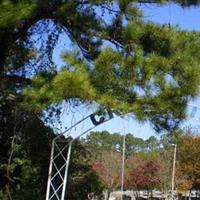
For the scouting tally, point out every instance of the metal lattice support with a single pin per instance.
(60, 156)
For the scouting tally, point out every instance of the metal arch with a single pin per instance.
(60, 156)
(61, 152)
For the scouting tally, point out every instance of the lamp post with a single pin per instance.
(173, 170)
(123, 163)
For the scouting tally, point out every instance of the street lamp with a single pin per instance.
(173, 170)
(123, 163)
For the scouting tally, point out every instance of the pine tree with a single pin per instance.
(146, 69)
(123, 63)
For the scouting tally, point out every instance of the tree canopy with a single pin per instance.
(118, 61)
(122, 62)
(146, 168)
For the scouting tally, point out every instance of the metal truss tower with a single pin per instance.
(61, 152)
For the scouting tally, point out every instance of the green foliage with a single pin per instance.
(149, 76)
(83, 182)
(28, 183)
(147, 70)
(13, 13)
(68, 84)
(23, 175)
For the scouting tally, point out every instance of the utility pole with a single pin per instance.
(123, 163)
(173, 170)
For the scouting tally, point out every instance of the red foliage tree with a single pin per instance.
(146, 175)
(109, 169)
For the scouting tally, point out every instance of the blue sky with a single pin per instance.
(188, 19)
(185, 18)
